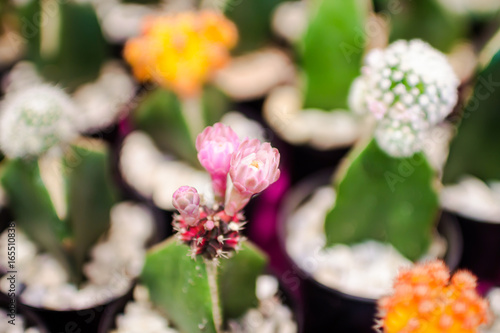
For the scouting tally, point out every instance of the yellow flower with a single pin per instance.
(426, 301)
(182, 51)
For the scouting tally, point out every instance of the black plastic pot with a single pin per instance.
(30, 318)
(108, 320)
(83, 321)
(328, 309)
(481, 248)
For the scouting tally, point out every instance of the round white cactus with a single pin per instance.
(34, 120)
(409, 87)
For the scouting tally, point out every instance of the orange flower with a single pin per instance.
(425, 300)
(181, 51)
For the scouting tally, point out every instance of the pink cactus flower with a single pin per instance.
(254, 166)
(215, 145)
(187, 201)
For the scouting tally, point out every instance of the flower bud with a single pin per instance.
(215, 147)
(254, 166)
(187, 201)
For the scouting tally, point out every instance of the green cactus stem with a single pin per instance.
(90, 196)
(384, 198)
(332, 51)
(474, 150)
(184, 290)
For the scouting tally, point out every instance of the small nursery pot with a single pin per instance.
(108, 319)
(481, 248)
(326, 307)
(73, 321)
(31, 319)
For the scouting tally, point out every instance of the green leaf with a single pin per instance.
(426, 20)
(237, 280)
(179, 286)
(160, 115)
(90, 196)
(79, 48)
(332, 51)
(32, 207)
(475, 149)
(253, 20)
(386, 199)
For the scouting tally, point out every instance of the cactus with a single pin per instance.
(182, 106)
(425, 299)
(253, 20)
(43, 115)
(386, 190)
(208, 274)
(64, 40)
(474, 150)
(443, 29)
(331, 50)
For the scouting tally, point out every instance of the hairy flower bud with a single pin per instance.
(187, 201)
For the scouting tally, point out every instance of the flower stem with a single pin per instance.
(214, 292)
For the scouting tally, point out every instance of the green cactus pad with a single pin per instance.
(181, 288)
(386, 199)
(426, 20)
(332, 51)
(475, 149)
(160, 115)
(80, 50)
(91, 195)
(237, 280)
(253, 20)
(33, 208)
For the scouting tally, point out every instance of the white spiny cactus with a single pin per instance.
(409, 87)
(34, 120)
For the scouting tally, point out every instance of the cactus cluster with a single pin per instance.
(425, 299)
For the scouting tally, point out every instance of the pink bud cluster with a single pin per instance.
(251, 165)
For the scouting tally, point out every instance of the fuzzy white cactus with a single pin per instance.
(36, 119)
(409, 87)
